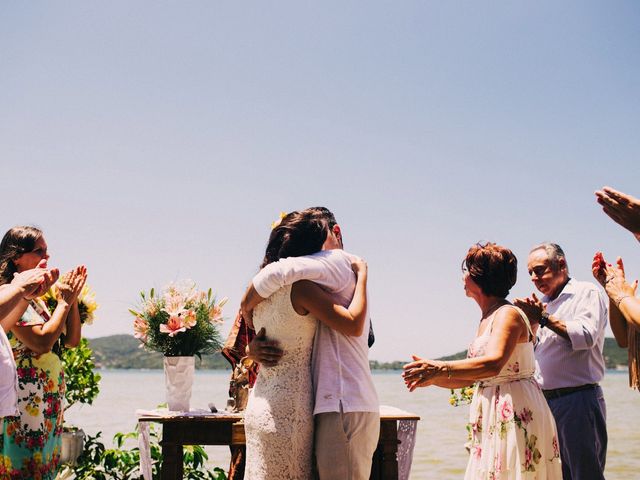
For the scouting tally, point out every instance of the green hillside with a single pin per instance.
(614, 356)
(123, 351)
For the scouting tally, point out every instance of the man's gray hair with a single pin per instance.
(554, 253)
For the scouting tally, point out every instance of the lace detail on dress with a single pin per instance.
(279, 414)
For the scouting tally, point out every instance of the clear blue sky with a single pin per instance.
(158, 140)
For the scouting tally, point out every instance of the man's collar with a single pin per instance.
(568, 289)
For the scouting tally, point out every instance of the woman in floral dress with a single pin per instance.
(513, 433)
(30, 444)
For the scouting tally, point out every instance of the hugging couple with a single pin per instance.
(314, 393)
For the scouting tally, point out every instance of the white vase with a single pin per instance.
(178, 378)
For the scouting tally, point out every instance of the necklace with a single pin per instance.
(492, 308)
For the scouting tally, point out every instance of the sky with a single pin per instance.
(156, 141)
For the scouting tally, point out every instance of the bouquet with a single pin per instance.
(181, 321)
(87, 304)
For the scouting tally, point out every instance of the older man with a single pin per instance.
(572, 317)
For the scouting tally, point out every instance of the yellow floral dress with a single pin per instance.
(30, 444)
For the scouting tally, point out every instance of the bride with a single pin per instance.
(279, 415)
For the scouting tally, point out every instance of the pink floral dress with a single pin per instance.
(512, 431)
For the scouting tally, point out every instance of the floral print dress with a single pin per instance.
(513, 433)
(30, 444)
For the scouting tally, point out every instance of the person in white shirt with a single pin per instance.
(346, 411)
(572, 317)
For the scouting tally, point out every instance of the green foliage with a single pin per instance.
(614, 355)
(82, 382)
(121, 463)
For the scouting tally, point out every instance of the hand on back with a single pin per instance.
(264, 351)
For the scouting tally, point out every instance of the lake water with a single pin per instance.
(439, 452)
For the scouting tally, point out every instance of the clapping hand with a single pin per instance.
(421, 372)
(622, 208)
(36, 281)
(612, 278)
(71, 284)
(531, 306)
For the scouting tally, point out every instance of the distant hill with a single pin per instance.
(614, 357)
(123, 351)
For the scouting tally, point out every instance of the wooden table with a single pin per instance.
(228, 429)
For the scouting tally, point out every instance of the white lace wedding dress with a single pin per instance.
(279, 415)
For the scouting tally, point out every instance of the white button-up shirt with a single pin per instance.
(8, 379)
(341, 372)
(564, 363)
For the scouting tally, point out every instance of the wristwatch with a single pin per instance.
(544, 319)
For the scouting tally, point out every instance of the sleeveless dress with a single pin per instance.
(30, 444)
(512, 431)
(279, 415)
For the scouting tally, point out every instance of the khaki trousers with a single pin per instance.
(345, 443)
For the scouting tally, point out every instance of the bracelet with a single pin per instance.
(619, 300)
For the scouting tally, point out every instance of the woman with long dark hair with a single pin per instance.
(31, 442)
(279, 414)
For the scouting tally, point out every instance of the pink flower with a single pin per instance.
(506, 411)
(528, 458)
(497, 464)
(526, 415)
(215, 314)
(556, 448)
(477, 452)
(174, 305)
(140, 328)
(173, 326)
(515, 368)
(188, 318)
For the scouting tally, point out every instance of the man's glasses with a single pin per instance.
(539, 270)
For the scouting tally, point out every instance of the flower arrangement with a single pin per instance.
(463, 396)
(181, 321)
(87, 304)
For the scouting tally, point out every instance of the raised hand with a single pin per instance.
(531, 306)
(358, 265)
(36, 281)
(71, 284)
(599, 268)
(622, 208)
(616, 284)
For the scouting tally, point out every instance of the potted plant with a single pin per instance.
(82, 384)
(181, 322)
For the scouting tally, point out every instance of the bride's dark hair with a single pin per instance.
(298, 234)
